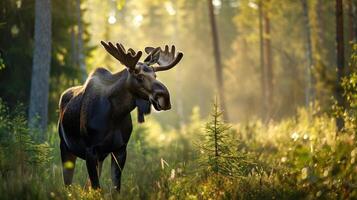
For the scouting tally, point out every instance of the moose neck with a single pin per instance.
(120, 96)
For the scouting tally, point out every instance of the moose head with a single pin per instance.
(142, 82)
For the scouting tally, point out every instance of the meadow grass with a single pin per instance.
(297, 158)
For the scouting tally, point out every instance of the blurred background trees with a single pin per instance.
(265, 55)
(17, 47)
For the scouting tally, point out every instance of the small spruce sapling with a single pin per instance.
(214, 148)
(220, 154)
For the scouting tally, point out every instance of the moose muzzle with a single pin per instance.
(160, 98)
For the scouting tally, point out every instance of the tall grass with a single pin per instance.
(302, 157)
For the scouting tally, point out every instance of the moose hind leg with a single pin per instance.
(68, 164)
(92, 163)
(117, 165)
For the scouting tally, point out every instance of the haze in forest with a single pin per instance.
(186, 24)
(264, 100)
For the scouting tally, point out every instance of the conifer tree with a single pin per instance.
(219, 149)
(216, 135)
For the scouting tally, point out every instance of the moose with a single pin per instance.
(94, 118)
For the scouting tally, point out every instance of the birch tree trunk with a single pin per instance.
(217, 58)
(38, 108)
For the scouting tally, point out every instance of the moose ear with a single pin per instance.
(144, 108)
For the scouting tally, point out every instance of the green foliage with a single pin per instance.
(2, 64)
(21, 158)
(215, 148)
(349, 85)
(316, 159)
(218, 155)
(348, 112)
(16, 141)
(16, 39)
(297, 158)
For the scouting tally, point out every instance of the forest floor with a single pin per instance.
(297, 158)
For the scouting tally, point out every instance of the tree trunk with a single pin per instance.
(217, 57)
(309, 94)
(81, 63)
(320, 21)
(350, 21)
(175, 39)
(73, 48)
(340, 60)
(262, 67)
(73, 55)
(351, 33)
(268, 65)
(354, 10)
(38, 108)
(320, 54)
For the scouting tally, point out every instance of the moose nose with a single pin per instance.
(161, 96)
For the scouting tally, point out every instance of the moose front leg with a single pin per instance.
(92, 163)
(118, 162)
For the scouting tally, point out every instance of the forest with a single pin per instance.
(263, 101)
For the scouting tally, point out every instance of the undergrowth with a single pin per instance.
(302, 157)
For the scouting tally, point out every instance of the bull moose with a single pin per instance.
(95, 120)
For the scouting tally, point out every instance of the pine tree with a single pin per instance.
(216, 135)
(219, 155)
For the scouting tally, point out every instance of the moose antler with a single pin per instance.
(154, 55)
(129, 59)
(166, 59)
